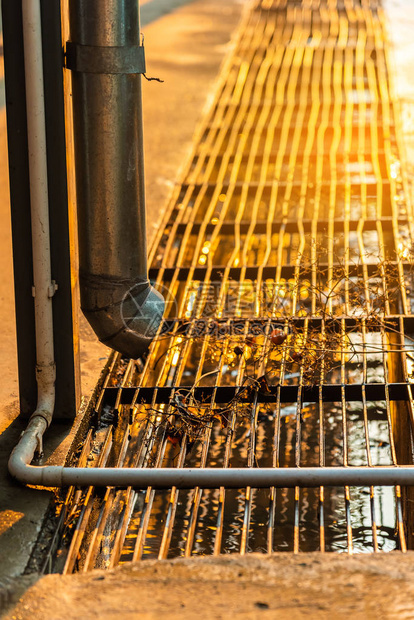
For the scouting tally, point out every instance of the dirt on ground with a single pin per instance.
(255, 586)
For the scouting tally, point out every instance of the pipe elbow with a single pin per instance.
(124, 314)
(23, 453)
(18, 468)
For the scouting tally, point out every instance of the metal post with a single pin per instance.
(65, 334)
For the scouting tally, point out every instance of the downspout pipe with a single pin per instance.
(106, 58)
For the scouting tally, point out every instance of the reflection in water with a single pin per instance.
(277, 435)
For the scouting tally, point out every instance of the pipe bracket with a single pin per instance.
(109, 60)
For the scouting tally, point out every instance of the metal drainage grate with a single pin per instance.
(286, 257)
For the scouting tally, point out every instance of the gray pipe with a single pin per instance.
(208, 478)
(106, 59)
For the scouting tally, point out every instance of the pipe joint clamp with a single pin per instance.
(110, 60)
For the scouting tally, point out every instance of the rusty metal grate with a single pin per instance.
(286, 256)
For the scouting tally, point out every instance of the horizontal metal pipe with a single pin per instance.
(44, 288)
(210, 478)
(206, 478)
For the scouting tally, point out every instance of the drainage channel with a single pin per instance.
(286, 262)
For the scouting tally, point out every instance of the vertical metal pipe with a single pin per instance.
(116, 297)
(43, 289)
